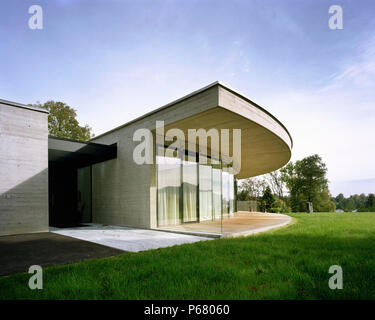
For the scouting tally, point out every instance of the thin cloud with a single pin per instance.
(360, 71)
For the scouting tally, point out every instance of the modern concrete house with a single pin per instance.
(51, 181)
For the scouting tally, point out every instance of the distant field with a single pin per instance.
(289, 263)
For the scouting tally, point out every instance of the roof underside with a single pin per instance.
(78, 154)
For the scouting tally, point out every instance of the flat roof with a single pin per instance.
(23, 106)
(216, 83)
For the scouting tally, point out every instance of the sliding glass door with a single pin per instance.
(169, 184)
(225, 191)
(190, 189)
(205, 191)
(216, 192)
(231, 193)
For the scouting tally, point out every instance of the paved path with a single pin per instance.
(19, 252)
(128, 239)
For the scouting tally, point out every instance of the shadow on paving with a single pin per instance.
(19, 252)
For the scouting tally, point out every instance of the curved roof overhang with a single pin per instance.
(262, 149)
(265, 143)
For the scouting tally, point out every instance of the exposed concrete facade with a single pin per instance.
(23, 169)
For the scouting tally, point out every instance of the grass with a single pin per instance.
(289, 263)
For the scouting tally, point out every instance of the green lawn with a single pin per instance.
(289, 263)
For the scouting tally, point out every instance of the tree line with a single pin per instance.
(356, 202)
(291, 188)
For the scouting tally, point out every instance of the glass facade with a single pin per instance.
(169, 185)
(205, 192)
(225, 191)
(216, 193)
(231, 193)
(228, 191)
(192, 190)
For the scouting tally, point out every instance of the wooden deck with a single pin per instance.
(240, 224)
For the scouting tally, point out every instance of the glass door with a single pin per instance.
(216, 193)
(190, 188)
(169, 186)
(205, 190)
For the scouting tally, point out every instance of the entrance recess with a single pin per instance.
(69, 179)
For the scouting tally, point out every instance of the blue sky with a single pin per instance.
(101, 57)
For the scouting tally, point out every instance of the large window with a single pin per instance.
(190, 189)
(216, 193)
(205, 192)
(169, 183)
(231, 193)
(225, 191)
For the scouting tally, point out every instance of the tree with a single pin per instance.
(253, 187)
(370, 202)
(242, 195)
(293, 182)
(349, 205)
(306, 181)
(280, 206)
(62, 121)
(360, 203)
(276, 183)
(267, 201)
(362, 200)
(323, 202)
(340, 201)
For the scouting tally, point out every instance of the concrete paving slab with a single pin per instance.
(127, 239)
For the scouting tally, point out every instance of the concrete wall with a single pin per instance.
(23, 169)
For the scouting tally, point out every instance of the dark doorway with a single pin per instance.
(84, 194)
(69, 195)
(63, 206)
